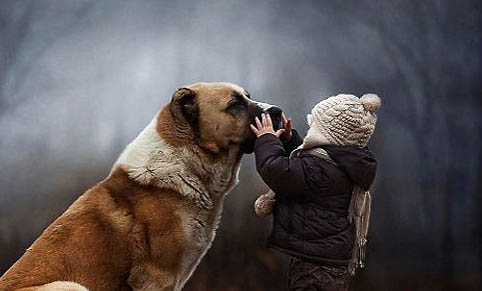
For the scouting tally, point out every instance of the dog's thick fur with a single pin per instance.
(149, 223)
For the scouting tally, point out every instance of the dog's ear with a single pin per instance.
(184, 106)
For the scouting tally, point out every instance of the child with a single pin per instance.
(314, 188)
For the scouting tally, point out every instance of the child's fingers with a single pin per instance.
(269, 121)
(263, 119)
(288, 125)
(254, 129)
(286, 122)
(279, 132)
(283, 116)
(258, 123)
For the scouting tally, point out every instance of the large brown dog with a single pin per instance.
(149, 223)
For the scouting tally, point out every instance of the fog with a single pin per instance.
(80, 79)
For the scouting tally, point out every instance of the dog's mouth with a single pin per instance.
(277, 123)
(247, 147)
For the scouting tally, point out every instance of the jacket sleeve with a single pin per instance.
(286, 177)
(294, 142)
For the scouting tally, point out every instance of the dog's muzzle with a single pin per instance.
(273, 111)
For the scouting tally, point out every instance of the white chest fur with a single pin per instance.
(200, 229)
(150, 160)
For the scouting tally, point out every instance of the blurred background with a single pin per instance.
(80, 79)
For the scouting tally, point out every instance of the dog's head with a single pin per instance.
(217, 115)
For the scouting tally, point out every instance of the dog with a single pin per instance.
(150, 222)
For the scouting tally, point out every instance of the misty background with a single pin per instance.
(80, 79)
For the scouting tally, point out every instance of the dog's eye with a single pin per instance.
(236, 105)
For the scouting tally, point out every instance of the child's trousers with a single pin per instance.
(305, 276)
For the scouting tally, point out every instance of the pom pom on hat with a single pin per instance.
(371, 102)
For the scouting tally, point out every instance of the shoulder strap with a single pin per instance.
(321, 153)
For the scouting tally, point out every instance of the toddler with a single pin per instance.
(316, 220)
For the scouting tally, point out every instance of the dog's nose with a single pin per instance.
(274, 111)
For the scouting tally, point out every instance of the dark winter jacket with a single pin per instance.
(312, 197)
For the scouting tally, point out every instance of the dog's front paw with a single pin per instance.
(264, 205)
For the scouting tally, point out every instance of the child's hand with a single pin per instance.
(288, 134)
(266, 126)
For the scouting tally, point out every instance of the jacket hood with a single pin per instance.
(358, 163)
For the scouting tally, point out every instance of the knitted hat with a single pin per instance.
(342, 120)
